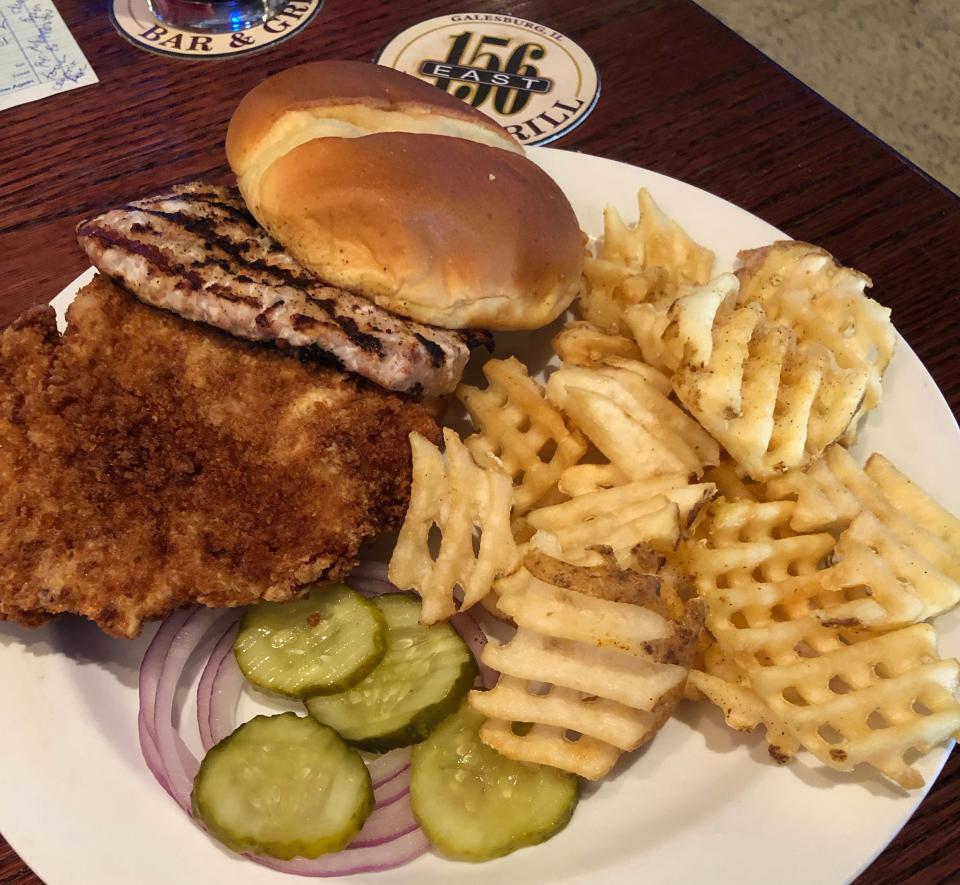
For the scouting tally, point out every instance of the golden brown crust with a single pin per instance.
(147, 462)
(439, 229)
(331, 83)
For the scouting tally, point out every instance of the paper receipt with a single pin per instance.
(38, 55)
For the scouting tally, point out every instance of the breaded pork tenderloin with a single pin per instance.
(148, 462)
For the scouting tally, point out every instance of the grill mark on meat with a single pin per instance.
(327, 305)
(152, 253)
(365, 341)
(263, 319)
(214, 238)
(434, 350)
(235, 209)
(322, 356)
(233, 269)
(228, 294)
(303, 323)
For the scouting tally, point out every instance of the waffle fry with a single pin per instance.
(831, 492)
(792, 605)
(583, 344)
(731, 482)
(762, 624)
(650, 325)
(581, 479)
(655, 241)
(612, 286)
(631, 422)
(594, 673)
(654, 512)
(752, 542)
(695, 314)
(871, 702)
(805, 288)
(648, 261)
(548, 744)
(615, 535)
(456, 497)
(757, 573)
(521, 430)
(624, 502)
(744, 711)
(772, 405)
(615, 585)
(656, 379)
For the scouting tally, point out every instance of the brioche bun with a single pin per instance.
(382, 184)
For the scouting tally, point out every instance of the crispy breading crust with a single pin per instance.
(147, 462)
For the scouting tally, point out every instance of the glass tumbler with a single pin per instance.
(220, 16)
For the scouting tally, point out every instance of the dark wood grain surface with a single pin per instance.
(681, 95)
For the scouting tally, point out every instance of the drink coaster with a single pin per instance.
(534, 81)
(133, 19)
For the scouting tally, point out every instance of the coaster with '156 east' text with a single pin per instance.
(534, 81)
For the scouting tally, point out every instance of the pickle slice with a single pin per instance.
(285, 786)
(421, 680)
(475, 804)
(323, 644)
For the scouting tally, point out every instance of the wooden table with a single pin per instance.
(681, 95)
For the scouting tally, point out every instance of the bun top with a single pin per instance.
(346, 99)
(382, 184)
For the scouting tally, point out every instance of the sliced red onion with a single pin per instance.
(226, 695)
(468, 628)
(152, 664)
(367, 568)
(151, 755)
(180, 764)
(393, 789)
(371, 586)
(391, 835)
(151, 669)
(217, 693)
(386, 823)
(371, 859)
(388, 766)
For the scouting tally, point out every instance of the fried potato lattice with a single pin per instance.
(456, 496)
(805, 288)
(631, 421)
(652, 512)
(521, 430)
(728, 687)
(772, 404)
(830, 493)
(785, 608)
(648, 261)
(598, 662)
(876, 702)
(583, 344)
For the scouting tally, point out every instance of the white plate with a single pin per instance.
(702, 803)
